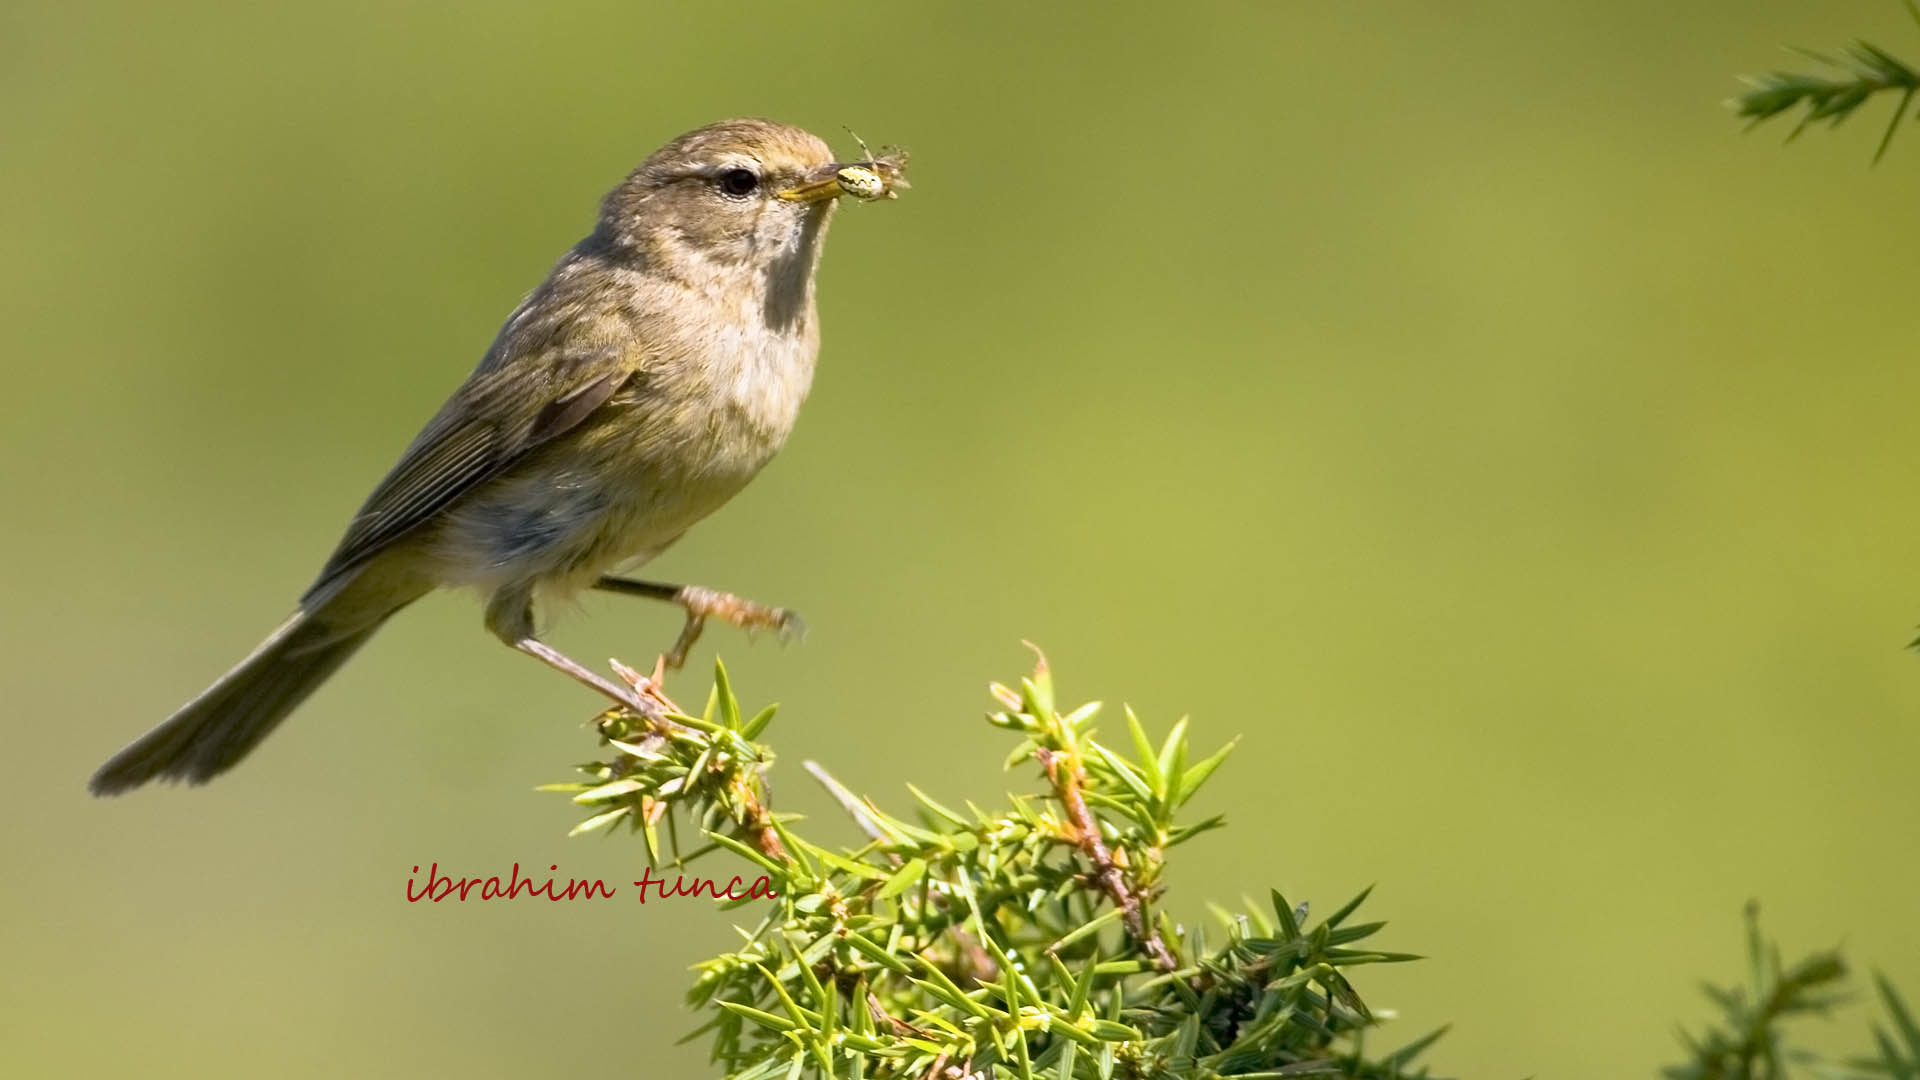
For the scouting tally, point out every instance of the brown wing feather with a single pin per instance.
(458, 450)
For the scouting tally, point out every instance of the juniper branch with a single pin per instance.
(1017, 943)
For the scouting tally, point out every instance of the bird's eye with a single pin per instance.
(739, 183)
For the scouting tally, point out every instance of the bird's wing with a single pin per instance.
(487, 427)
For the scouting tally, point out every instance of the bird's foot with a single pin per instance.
(651, 686)
(702, 604)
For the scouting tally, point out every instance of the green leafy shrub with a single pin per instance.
(1023, 941)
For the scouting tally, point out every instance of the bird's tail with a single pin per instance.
(211, 733)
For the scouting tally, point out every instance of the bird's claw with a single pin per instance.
(789, 626)
(786, 625)
(703, 603)
(632, 677)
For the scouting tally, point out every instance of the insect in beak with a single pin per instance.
(875, 178)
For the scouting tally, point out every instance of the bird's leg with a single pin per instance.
(510, 617)
(702, 603)
(579, 673)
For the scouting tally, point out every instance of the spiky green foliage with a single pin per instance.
(1860, 73)
(1750, 1040)
(1023, 941)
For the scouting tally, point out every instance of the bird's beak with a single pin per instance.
(819, 185)
(861, 179)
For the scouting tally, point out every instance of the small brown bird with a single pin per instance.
(652, 374)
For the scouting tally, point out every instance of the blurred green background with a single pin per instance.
(1446, 398)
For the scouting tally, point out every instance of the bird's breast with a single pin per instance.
(697, 432)
(760, 383)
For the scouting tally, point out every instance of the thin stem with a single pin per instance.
(1063, 769)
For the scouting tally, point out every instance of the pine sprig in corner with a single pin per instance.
(1862, 72)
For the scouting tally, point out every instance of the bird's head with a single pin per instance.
(740, 193)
